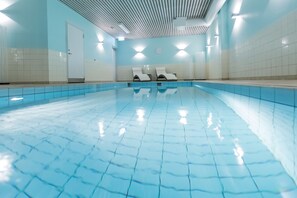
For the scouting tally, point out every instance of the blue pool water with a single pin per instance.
(142, 142)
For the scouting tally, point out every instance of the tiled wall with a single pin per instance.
(57, 63)
(213, 51)
(96, 70)
(270, 114)
(3, 56)
(27, 65)
(199, 66)
(271, 53)
(43, 66)
(217, 58)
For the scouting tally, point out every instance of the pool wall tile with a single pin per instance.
(29, 90)
(49, 95)
(267, 93)
(39, 90)
(255, 92)
(245, 90)
(16, 92)
(49, 89)
(284, 96)
(4, 92)
(57, 88)
(39, 97)
(29, 98)
(4, 101)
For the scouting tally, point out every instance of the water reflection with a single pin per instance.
(5, 167)
(217, 130)
(122, 131)
(163, 93)
(101, 129)
(140, 93)
(140, 114)
(238, 152)
(209, 120)
(215, 127)
(183, 116)
(167, 91)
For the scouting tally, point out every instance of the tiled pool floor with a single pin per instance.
(135, 143)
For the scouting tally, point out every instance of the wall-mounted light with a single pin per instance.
(139, 48)
(6, 3)
(182, 46)
(124, 28)
(100, 43)
(235, 16)
(4, 19)
(121, 38)
(237, 6)
(181, 49)
(139, 55)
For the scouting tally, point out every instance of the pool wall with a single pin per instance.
(26, 95)
(269, 112)
(286, 96)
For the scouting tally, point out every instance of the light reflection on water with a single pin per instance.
(5, 167)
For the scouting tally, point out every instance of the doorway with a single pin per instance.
(75, 54)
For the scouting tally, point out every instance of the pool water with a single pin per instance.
(135, 142)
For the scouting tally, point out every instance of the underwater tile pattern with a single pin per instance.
(133, 142)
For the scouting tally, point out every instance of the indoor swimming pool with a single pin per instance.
(146, 141)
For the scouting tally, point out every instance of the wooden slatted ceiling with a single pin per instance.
(144, 18)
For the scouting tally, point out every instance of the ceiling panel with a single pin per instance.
(143, 18)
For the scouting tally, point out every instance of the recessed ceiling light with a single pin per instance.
(124, 28)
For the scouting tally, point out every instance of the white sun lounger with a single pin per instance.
(138, 75)
(163, 75)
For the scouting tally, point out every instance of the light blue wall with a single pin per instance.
(59, 15)
(27, 27)
(256, 15)
(167, 46)
(223, 27)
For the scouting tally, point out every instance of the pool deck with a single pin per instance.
(262, 83)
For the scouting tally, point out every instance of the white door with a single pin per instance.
(76, 72)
